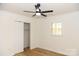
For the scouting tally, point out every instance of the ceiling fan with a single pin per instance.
(38, 11)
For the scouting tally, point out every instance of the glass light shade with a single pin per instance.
(38, 14)
(37, 9)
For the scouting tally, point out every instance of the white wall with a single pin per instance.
(68, 42)
(11, 32)
(35, 32)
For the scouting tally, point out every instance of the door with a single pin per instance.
(19, 36)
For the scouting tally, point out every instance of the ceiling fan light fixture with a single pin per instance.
(37, 9)
(38, 14)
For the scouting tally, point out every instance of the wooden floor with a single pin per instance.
(38, 52)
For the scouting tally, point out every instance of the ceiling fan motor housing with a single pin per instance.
(38, 5)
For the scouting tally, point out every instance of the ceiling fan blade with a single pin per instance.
(36, 6)
(47, 11)
(34, 15)
(43, 15)
(30, 11)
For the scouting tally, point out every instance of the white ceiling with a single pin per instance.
(59, 8)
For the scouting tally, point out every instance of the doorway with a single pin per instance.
(26, 35)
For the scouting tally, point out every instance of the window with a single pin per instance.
(57, 28)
